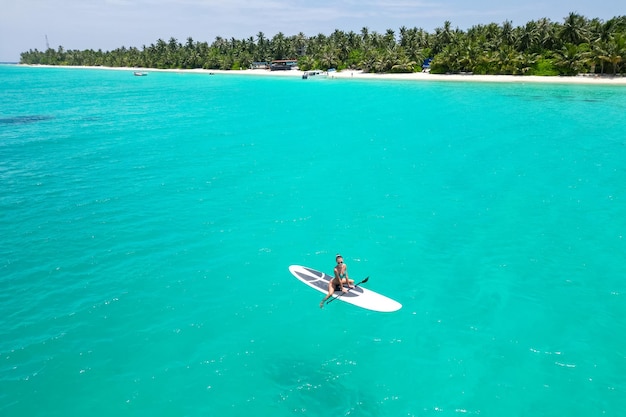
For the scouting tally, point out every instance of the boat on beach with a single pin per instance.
(314, 73)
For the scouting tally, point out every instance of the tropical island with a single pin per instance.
(541, 47)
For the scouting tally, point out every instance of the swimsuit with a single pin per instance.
(338, 285)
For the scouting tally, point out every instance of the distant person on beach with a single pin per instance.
(341, 278)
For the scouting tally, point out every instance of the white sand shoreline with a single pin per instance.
(419, 76)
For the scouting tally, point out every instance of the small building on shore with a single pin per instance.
(259, 65)
(284, 65)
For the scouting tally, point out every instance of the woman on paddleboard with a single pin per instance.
(341, 278)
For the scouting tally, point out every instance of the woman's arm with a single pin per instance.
(345, 271)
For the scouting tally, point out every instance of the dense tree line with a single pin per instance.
(540, 47)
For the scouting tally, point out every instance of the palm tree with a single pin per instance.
(507, 34)
(339, 42)
(469, 54)
(390, 38)
(328, 58)
(306, 62)
(354, 41)
(262, 48)
(509, 61)
(615, 51)
(527, 37)
(572, 58)
(423, 39)
(573, 46)
(300, 44)
(447, 61)
(574, 29)
(443, 37)
(404, 65)
(365, 34)
(279, 46)
(601, 31)
(159, 53)
(546, 34)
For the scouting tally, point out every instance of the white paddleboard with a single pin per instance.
(359, 296)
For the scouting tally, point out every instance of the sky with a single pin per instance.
(111, 24)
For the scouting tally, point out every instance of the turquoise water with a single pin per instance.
(148, 224)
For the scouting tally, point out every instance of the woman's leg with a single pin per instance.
(331, 291)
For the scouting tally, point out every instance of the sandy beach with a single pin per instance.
(591, 79)
(422, 76)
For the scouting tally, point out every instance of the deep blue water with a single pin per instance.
(148, 224)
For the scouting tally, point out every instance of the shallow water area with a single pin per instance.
(149, 222)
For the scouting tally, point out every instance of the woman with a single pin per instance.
(341, 278)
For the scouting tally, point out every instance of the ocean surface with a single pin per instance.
(148, 223)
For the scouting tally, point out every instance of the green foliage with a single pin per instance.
(544, 67)
(541, 47)
(439, 66)
(355, 57)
